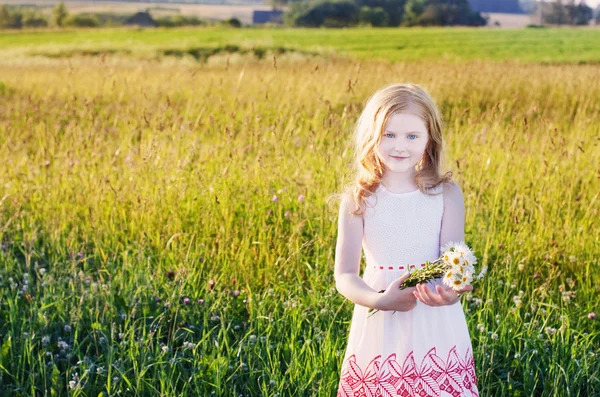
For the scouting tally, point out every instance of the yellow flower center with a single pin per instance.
(456, 261)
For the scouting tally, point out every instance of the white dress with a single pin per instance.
(425, 351)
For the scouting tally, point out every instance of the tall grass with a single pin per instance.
(165, 226)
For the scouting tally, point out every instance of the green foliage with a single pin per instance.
(231, 22)
(374, 16)
(393, 8)
(82, 21)
(558, 13)
(337, 13)
(178, 20)
(441, 13)
(34, 19)
(59, 14)
(10, 19)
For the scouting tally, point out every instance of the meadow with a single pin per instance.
(166, 226)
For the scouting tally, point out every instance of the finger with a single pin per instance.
(433, 298)
(404, 276)
(449, 296)
(425, 297)
(417, 295)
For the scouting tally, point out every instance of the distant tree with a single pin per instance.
(34, 19)
(374, 16)
(559, 13)
(10, 19)
(328, 13)
(441, 13)
(82, 21)
(4, 17)
(59, 14)
(393, 8)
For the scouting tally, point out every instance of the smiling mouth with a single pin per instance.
(399, 158)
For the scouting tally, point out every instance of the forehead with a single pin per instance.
(406, 122)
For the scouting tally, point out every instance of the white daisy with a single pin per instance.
(449, 278)
(458, 284)
(454, 259)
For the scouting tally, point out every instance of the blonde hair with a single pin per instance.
(368, 169)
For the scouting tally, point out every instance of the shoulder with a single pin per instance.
(453, 195)
(347, 207)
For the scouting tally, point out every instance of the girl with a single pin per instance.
(402, 211)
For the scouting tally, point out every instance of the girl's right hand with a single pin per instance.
(400, 300)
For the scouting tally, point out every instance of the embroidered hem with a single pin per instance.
(454, 376)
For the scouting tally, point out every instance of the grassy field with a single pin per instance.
(549, 45)
(165, 227)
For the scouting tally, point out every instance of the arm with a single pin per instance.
(453, 229)
(347, 259)
(453, 220)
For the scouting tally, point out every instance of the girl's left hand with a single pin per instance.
(444, 296)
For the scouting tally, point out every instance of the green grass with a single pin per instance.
(133, 183)
(551, 45)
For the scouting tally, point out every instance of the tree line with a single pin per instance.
(316, 13)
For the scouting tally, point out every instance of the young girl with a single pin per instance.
(401, 210)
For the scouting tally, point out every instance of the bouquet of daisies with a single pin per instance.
(456, 266)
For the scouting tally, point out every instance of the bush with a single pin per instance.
(374, 16)
(233, 22)
(10, 19)
(32, 19)
(82, 21)
(179, 20)
(340, 13)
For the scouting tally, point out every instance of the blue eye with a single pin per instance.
(414, 136)
(389, 134)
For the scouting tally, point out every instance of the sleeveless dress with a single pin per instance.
(426, 351)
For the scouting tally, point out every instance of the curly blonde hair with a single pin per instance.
(368, 169)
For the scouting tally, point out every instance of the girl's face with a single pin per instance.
(403, 143)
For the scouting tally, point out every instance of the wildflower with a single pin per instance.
(591, 316)
(42, 271)
(186, 301)
(517, 300)
(67, 328)
(301, 198)
(521, 266)
(286, 214)
(480, 328)
(164, 348)
(494, 336)
(252, 339)
(235, 293)
(171, 274)
(517, 356)
(200, 301)
(45, 340)
(275, 198)
(211, 284)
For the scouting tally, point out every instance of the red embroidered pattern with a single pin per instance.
(454, 376)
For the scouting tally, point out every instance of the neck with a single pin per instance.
(399, 180)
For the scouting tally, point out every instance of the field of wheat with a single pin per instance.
(166, 229)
